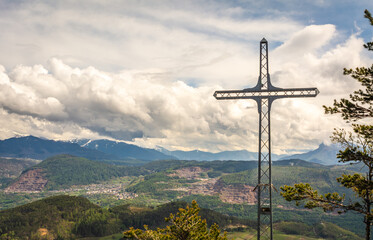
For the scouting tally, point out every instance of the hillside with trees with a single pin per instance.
(57, 217)
(69, 217)
(63, 171)
(222, 186)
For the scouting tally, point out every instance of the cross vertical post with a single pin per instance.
(264, 187)
(264, 93)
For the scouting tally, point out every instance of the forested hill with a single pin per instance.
(63, 171)
(51, 216)
(69, 217)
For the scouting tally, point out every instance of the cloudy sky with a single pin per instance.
(145, 71)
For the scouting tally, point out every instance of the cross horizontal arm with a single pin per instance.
(273, 94)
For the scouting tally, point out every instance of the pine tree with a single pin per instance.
(357, 148)
(185, 225)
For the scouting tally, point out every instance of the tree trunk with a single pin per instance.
(367, 229)
(368, 201)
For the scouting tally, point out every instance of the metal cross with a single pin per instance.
(264, 93)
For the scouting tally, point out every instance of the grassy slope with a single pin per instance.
(324, 230)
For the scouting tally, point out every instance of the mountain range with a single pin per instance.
(208, 156)
(39, 148)
(122, 153)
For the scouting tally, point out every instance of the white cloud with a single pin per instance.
(324, 70)
(305, 41)
(146, 107)
(126, 71)
(188, 42)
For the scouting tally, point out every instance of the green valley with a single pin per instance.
(117, 191)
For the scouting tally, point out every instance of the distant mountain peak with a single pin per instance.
(324, 154)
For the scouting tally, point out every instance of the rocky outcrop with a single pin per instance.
(189, 172)
(236, 194)
(203, 187)
(30, 181)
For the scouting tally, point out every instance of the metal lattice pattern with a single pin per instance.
(264, 94)
(283, 93)
(264, 73)
(264, 188)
